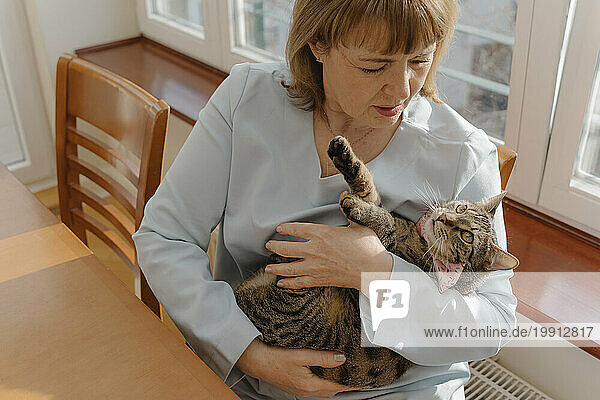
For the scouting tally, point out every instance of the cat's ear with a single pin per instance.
(492, 203)
(502, 260)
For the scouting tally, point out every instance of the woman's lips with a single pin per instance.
(388, 111)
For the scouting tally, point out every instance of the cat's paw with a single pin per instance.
(343, 157)
(350, 205)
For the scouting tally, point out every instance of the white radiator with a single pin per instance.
(491, 381)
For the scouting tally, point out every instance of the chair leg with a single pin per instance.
(148, 297)
(81, 233)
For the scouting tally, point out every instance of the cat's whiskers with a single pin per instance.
(426, 194)
(439, 194)
(429, 196)
(439, 245)
(430, 247)
(426, 206)
(417, 191)
(435, 200)
(435, 244)
(424, 198)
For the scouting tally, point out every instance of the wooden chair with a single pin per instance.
(506, 162)
(137, 121)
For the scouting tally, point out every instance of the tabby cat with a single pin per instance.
(328, 318)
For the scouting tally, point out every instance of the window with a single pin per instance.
(507, 72)
(262, 26)
(587, 163)
(185, 14)
(571, 183)
(477, 68)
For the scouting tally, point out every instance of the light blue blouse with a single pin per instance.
(249, 164)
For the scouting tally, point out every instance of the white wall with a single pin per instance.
(70, 24)
(59, 26)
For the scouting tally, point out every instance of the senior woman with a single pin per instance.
(257, 160)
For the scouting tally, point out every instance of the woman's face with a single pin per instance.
(367, 86)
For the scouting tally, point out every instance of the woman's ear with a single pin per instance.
(317, 49)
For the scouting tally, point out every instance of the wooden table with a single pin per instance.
(70, 329)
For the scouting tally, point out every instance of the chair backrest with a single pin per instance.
(506, 160)
(135, 123)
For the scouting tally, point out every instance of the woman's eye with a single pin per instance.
(467, 236)
(421, 63)
(461, 208)
(373, 71)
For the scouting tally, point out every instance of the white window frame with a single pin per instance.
(194, 31)
(205, 46)
(576, 200)
(536, 68)
(548, 24)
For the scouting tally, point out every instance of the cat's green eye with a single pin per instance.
(461, 208)
(466, 236)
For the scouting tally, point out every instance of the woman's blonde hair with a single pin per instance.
(408, 25)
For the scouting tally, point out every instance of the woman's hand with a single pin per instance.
(288, 369)
(332, 256)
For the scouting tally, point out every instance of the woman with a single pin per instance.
(257, 160)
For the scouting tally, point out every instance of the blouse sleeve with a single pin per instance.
(174, 234)
(493, 305)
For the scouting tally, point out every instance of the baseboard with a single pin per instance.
(44, 184)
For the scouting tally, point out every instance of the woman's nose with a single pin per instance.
(399, 86)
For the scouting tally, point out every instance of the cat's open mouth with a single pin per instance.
(434, 236)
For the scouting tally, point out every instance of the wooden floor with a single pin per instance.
(558, 277)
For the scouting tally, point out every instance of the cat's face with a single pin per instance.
(462, 232)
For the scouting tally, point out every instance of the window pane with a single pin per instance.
(483, 108)
(479, 56)
(497, 16)
(262, 26)
(587, 164)
(187, 13)
(474, 78)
